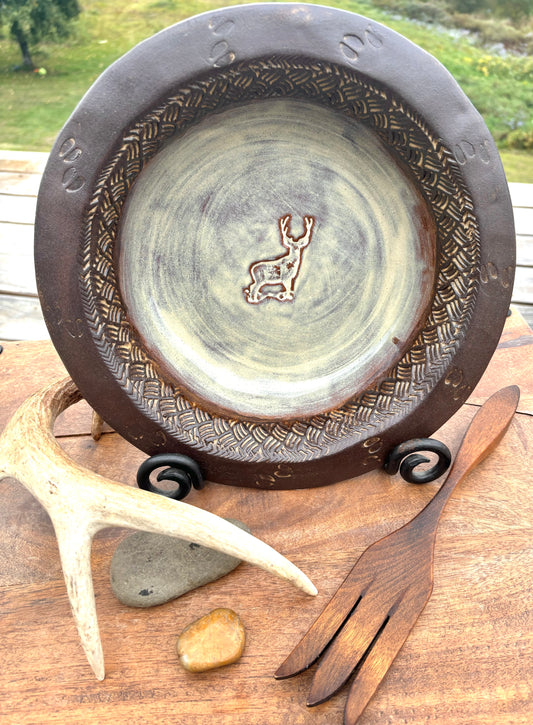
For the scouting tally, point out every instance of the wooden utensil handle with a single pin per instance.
(486, 430)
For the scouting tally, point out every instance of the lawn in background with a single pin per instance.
(34, 106)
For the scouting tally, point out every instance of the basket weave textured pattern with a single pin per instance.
(438, 179)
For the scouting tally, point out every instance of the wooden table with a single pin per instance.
(468, 659)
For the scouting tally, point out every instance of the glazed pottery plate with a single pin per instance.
(277, 238)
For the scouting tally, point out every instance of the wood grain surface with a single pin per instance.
(372, 613)
(467, 660)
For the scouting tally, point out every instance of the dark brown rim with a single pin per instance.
(98, 156)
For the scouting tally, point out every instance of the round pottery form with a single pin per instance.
(286, 244)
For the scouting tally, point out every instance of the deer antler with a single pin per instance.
(80, 503)
(308, 226)
(284, 223)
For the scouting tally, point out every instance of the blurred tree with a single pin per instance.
(515, 10)
(30, 21)
(469, 6)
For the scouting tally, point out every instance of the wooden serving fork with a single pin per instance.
(369, 618)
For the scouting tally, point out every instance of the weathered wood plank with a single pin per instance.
(523, 285)
(16, 239)
(21, 184)
(27, 161)
(17, 209)
(524, 249)
(20, 174)
(21, 319)
(17, 274)
(35, 162)
(521, 194)
(523, 219)
(523, 291)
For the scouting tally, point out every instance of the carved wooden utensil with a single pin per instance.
(369, 618)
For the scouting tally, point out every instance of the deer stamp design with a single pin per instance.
(280, 271)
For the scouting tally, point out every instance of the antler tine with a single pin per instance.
(308, 227)
(80, 503)
(74, 539)
(284, 223)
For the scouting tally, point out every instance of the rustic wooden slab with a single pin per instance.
(34, 365)
(472, 632)
(467, 659)
(512, 363)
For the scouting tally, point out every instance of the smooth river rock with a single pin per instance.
(149, 569)
(214, 640)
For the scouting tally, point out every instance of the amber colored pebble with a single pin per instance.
(214, 640)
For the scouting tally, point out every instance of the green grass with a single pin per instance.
(33, 107)
(518, 166)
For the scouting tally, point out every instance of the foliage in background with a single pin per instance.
(497, 79)
(490, 54)
(515, 10)
(487, 45)
(31, 21)
(503, 23)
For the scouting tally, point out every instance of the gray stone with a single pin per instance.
(149, 569)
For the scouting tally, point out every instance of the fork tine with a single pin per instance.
(325, 626)
(347, 649)
(381, 655)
